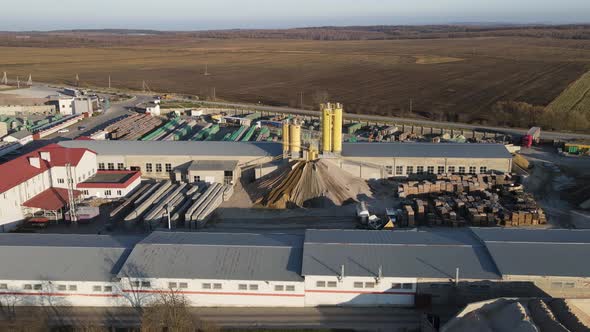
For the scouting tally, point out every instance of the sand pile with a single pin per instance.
(308, 184)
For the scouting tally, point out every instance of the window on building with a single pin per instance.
(3, 286)
(183, 285)
(389, 170)
(569, 285)
(451, 169)
(332, 284)
(108, 289)
(407, 286)
(483, 169)
(206, 286)
(158, 168)
(216, 286)
(38, 287)
(242, 287)
(135, 284)
(168, 168)
(79, 179)
(172, 285)
(28, 286)
(320, 284)
(399, 170)
(420, 169)
(107, 193)
(369, 285)
(556, 285)
(358, 284)
(73, 288)
(146, 284)
(61, 181)
(279, 288)
(461, 169)
(396, 286)
(290, 288)
(430, 169)
(61, 287)
(101, 167)
(86, 192)
(97, 288)
(196, 178)
(441, 170)
(472, 169)
(120, 166)
(148, 167)
(410, 170)
(119, 192)
(111, 166)
(253, 287)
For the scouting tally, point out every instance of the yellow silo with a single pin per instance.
(326, 127)
(286, 141)
(295, 137)
(337, 129)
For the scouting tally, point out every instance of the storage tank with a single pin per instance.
(286, 141)
(295, 137)
(337, 129)
(326, 127)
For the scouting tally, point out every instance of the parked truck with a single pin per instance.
(533, 136)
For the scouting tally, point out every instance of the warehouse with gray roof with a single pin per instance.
(159, 159)
(323, 267)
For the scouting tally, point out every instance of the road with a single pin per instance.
(349, 318)
(379, 118)
(143, 97)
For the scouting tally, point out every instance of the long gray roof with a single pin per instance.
(236, 256)
(174, 148)
(425, 150)
(538, 252)
(62, 257)
(422, 254)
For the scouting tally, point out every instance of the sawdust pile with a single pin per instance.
(308, 184)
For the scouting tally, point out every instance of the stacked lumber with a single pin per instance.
(452, 184)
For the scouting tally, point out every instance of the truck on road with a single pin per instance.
(532, 136)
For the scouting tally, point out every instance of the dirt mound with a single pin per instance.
(308, 184)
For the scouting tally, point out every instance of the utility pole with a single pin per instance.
(77, 80)
(214, 95)
(206, 70)
(30, 81)
(109, 81)
(5, 79)
(411, 104)
(17, 83)
(301, 101)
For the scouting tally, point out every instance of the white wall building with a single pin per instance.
(329, 267)
(38, 180)
(110, 184)
(22, 137)
(221, 269)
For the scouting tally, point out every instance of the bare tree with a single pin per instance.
(170, 312)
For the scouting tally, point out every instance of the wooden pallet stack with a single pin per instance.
(452, 183)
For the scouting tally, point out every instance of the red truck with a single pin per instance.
(532, 136)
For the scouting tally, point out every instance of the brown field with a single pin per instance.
(446, 79)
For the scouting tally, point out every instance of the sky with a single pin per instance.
(26, 15)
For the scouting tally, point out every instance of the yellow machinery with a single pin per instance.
(337, 129)
(295, 137)
(326, 127)
(286, 138)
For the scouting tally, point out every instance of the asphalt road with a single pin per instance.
(351, 318)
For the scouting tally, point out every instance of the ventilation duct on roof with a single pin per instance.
(45, 155)
(35, 162)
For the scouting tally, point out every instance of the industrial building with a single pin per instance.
(45, 181)
(22, 137)
(324, 267)
(161, 159)
(165, 159)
